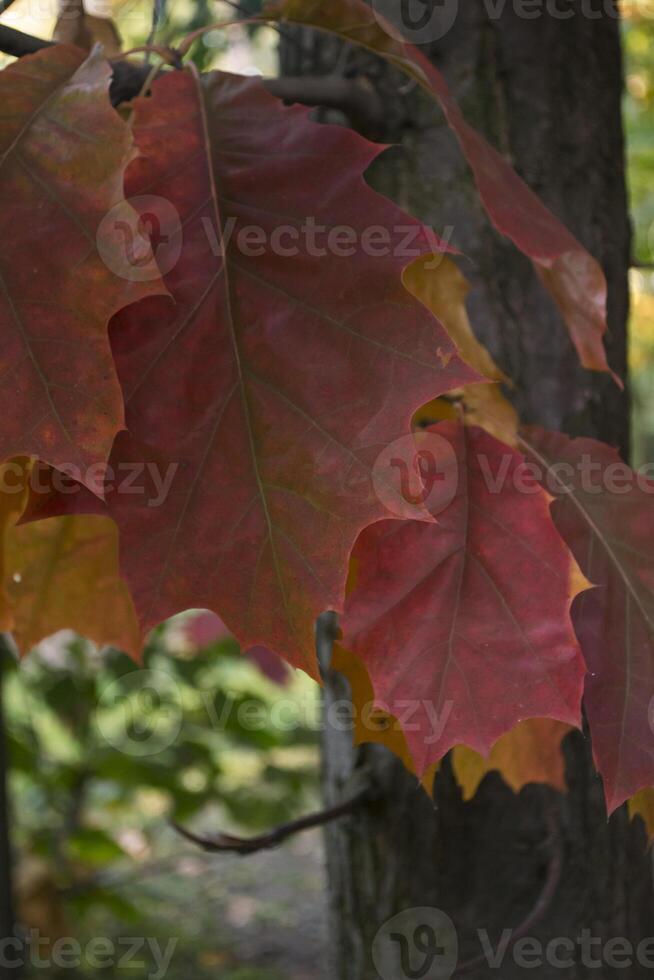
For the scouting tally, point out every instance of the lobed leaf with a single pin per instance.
(60, 573)
(604, 512)
(467, 620)
(63, 152)
(530, 753)
(444, 290)
(274, 381)
(573, 277)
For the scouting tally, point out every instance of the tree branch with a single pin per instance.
(355, 97)
(128, 78)
(554, 845)
(17, 44)
(221, 843)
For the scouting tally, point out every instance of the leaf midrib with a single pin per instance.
(236, 348)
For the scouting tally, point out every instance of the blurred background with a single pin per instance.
(104, 754)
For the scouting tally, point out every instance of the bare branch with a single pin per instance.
(17, 43)
(356, 97)
(221, 843)
(554, 845)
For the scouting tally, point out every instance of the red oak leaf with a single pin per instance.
(281, 372)
(464, 625)
(574, 278)
(606, 516)
(63, 152)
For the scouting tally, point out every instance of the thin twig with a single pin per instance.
(17, 44)
(222, 843)
(544, 900)
(158, 12)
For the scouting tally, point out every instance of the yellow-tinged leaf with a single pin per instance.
(75, 26)
(60, 573)
(486, 406)
(370, 723)
(438, 410)
(13, 475)
(442, 288)
(574, 278)
(439, 284)
(642, 805)
(530, 753)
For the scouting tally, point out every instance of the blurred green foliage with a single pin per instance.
(105, 753)
(638, 34)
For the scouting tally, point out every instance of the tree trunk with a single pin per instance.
(547, 92)
(6, 900)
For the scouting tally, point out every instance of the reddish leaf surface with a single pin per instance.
(275, 380)
(607, 520)
(63, 152)
(464, 625)
(205, 629)
(574, 278)
(529, 753)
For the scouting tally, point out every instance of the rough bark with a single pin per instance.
(6, 899)
(547, 92)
